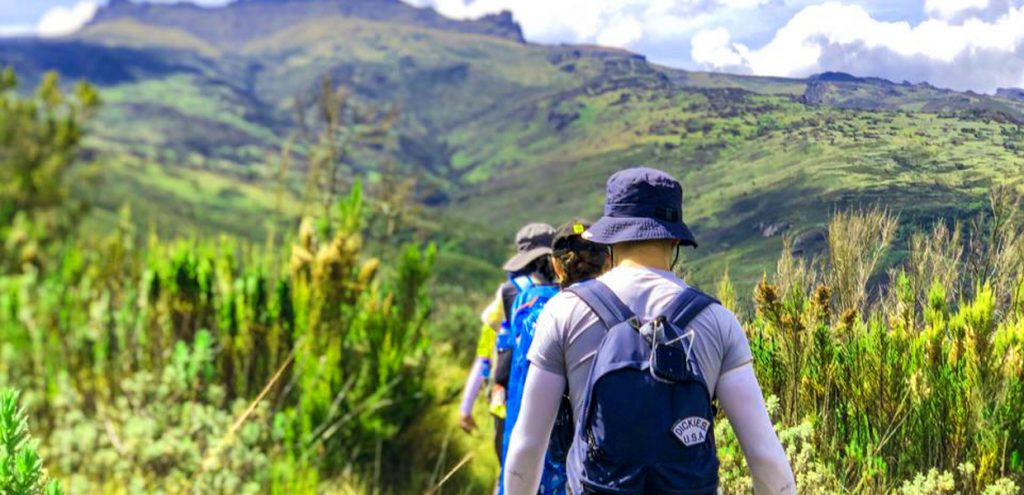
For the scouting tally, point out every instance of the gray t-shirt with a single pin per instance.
(568, 332)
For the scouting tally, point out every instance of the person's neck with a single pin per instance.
(647, 257)
(630, 263)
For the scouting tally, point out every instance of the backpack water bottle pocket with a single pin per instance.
(502, 368)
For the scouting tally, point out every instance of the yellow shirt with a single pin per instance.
(492, 317)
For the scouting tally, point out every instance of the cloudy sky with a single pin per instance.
(959, 44)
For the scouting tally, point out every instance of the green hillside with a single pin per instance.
(496, 132)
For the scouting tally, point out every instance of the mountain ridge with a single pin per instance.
(496, 131)
(222, 25)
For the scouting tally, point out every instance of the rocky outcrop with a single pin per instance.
(835, 77)
(809, 242)
(1011, 93)
(772, 229)
(815, 93)
(502, 25)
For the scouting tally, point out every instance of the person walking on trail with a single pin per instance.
(530, 266)
(574, 259)
(642, 354)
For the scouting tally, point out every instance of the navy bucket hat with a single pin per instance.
(642, 204)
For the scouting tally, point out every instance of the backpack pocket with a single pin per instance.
(650, 435)
(668, 363)
(592, 488)
(670, 478)
(616, 430)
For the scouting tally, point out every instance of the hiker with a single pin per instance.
(643, 354)
(528, 267)
(574, 259)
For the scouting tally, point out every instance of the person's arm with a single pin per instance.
(474, 382)
(524, 461)
(740, 396)
(491, 321)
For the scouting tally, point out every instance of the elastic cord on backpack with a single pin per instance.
(689, 349)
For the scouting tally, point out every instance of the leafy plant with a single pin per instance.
(21, 468)
(40, 139)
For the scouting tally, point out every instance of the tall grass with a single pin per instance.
(892, 379)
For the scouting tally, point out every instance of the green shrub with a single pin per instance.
(143, 360)
(40, 137)
(926, 374)
(21, 469)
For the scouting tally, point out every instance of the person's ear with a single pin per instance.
(669, 248)
(559, 269)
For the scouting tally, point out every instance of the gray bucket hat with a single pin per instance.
(641, 204)
(532, 242)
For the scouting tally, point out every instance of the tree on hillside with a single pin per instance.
(40, 143)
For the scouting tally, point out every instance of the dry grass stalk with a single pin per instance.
(858, 240)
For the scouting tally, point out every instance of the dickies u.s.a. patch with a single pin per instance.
(691, 431)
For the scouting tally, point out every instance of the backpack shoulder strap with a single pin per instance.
(523, 282)
(685, 307)
(602, 301)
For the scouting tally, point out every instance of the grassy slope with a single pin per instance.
(492, 120)
(752, 159)
(212, 118)
(126, 32)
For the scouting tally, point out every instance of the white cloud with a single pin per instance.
(10, 30)
(204, 3)
(714, 48)
(622, 31)
(61, 21)
(946, 9)
(743, 4)
(835, 36)
(618, 23)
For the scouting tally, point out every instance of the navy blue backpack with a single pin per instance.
(647, 423)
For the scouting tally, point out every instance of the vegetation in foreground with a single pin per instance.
(192, 366)
(21, 469)
(911, 384)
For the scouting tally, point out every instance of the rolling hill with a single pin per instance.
(498, 131)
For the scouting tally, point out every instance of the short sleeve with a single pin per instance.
(494, 313)
(547, 351)
(735, 346)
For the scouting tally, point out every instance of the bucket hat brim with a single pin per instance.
(615, 230)
(521, 260)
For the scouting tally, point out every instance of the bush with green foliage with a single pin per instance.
(21, 469)
(923, 371)
(328, 352)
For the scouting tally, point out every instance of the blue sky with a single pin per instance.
(960, 44)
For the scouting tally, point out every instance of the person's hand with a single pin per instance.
(466, 422)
